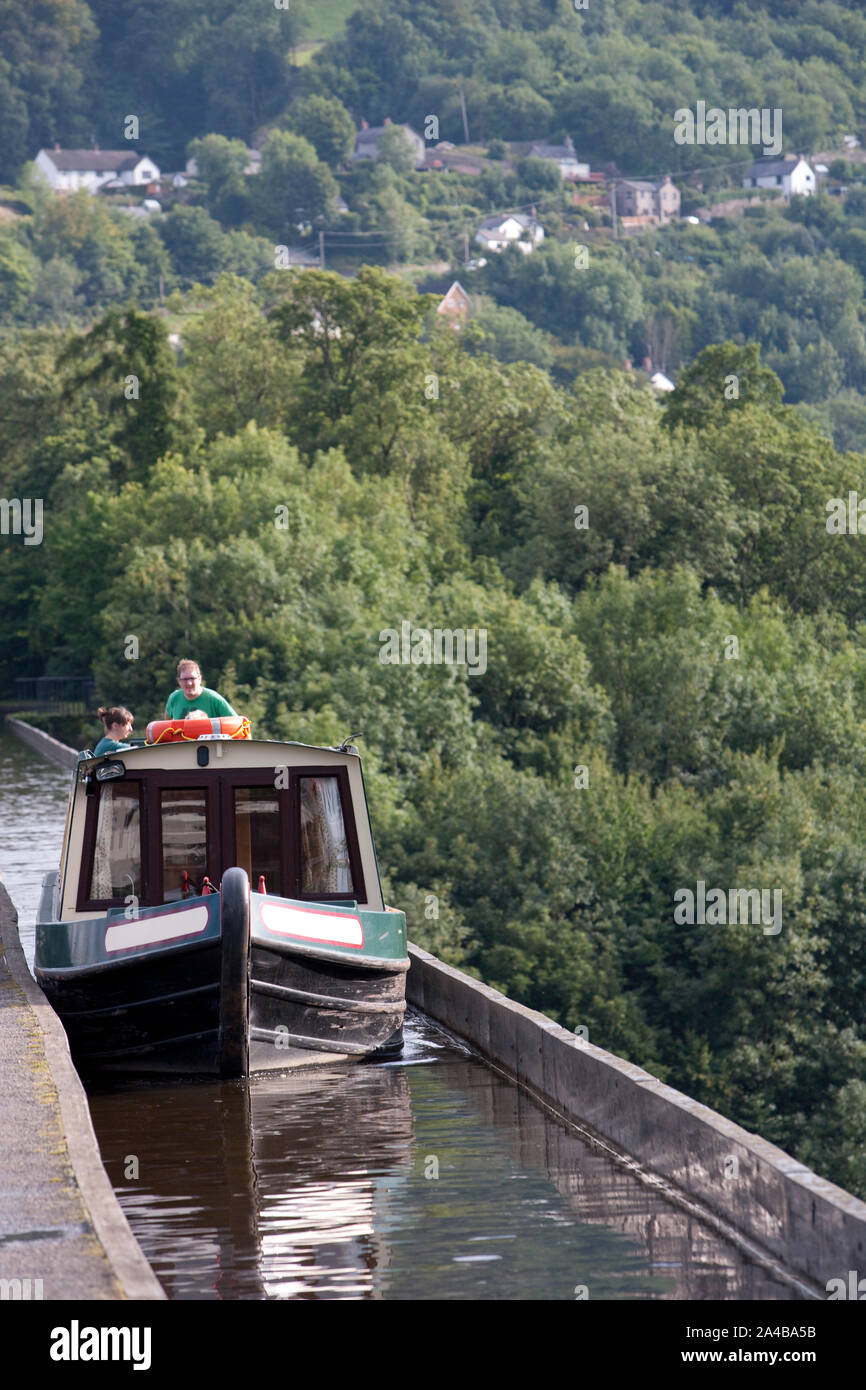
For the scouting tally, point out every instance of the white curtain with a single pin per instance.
(323, 838)
(117, 852)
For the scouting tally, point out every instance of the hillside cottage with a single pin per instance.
(564, 157)
(455, 305)
(68, 170)
(654, 204)
(368, 137)
(790, 176)
(515, 229)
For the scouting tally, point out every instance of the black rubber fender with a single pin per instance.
(234, 1031)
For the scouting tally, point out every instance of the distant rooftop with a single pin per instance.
(565, 151)
(370, 134)
(491, 223)
(774, 166)
(98, 160)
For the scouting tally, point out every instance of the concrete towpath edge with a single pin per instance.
(111, 1227)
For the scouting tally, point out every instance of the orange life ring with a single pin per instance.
(189, 730)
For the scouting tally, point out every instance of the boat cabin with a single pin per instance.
(161, 823)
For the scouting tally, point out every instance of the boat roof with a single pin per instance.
(208, 740)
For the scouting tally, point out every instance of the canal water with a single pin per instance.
(34, 794)
(428, 1178)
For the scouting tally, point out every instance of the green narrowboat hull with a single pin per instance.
(225, 984)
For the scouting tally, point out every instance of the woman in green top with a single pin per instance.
(191, 695)
(117, 722)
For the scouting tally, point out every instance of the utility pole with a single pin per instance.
(465, 119)
(321, 250)
(465, 248)
(613, 209)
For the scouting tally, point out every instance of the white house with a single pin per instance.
(515, 229)
(790, 176)
(69, 170)
(564, 156)
(661, 382)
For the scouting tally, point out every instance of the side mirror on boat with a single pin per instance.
(108, 771)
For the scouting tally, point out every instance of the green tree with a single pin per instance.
(509, 336)
(153, 260)
(294, 187)
(18, 274)
(234, 367)
(614, 488)
(842, 419)
(406, 234)
(43, 91)
(196, 243)
(99, 243)
(516, 112)
(327, 125)
(246, 63)
(218, 160)
(538, 175)
(600, 304)
(221, 164)
(363, 378)
(615, 117)
(395, 149)
(54, 296)
(723, 378)
(126, 360)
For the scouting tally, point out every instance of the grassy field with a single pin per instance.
(327, 18)
(303, 53)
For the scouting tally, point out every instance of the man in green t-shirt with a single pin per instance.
(191, 695)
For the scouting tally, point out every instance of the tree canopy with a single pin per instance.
(674, 681)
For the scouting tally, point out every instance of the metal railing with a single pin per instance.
(56, 694)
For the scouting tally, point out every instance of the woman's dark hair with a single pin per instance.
(114, 714)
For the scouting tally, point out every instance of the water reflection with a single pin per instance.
(266, 1190)
(599, 1191)
(431, 1180)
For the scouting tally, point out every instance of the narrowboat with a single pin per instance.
(218, 909)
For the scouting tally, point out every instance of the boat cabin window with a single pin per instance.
(116, 864)
(325, 866)
(183, 815)
(257, 835)
(159, 835)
